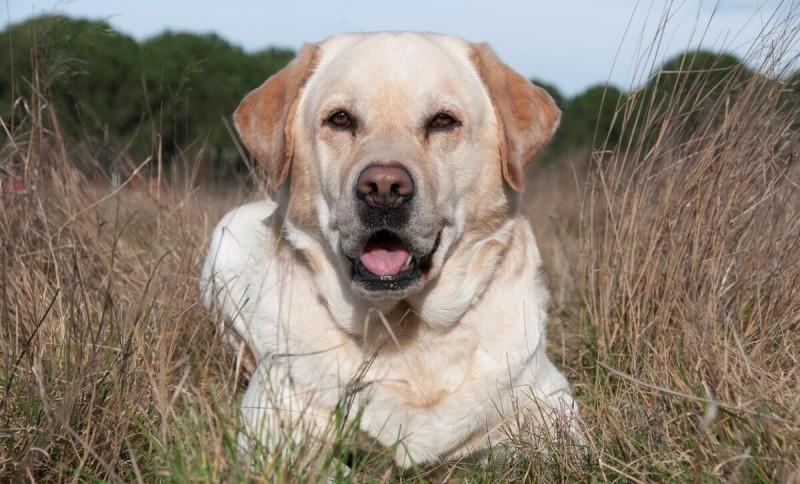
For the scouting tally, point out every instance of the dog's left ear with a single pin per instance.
(527, 116)
(265, 116)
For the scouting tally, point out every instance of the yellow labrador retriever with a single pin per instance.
(394, 254)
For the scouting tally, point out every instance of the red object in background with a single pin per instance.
(11, 183)
(158, 188)
(17, 184)
(98, 180)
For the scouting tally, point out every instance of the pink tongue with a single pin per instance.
(384, 259)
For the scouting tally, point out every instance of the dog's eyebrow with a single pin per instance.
(337, 102)
(438, 102)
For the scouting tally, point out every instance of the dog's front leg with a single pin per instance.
(278, 420)
(546, 408)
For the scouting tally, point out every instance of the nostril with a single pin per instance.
(403, 188)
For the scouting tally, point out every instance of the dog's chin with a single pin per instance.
(387, 267)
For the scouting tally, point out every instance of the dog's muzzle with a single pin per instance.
(388, 260)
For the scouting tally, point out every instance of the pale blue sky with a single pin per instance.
(571, 43)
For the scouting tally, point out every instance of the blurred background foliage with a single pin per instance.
(170, 93)
(174, 93)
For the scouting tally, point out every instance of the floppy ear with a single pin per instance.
(265, 116)
(527, 116)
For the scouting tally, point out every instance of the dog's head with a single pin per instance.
(396, 150)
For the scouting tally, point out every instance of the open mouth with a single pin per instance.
(386, 263)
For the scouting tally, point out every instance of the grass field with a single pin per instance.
(673, 259)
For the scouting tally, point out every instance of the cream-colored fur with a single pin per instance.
(443, 368)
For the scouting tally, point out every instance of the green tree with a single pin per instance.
(699, 70)
(693, 87)
(171, 93)
(194, 82)
(86, 68)
(590, 117)
(191, 82)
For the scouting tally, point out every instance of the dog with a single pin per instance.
(391, 268)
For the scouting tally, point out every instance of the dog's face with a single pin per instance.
(399, 147)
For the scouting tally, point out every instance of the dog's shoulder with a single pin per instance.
(239, 237)
(238, 262)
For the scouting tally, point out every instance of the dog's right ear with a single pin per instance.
(265, 116)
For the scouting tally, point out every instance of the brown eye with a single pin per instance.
(441, 121)
(340, 119)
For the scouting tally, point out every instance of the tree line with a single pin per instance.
(174, 93)
(167, 95)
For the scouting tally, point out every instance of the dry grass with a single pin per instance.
(676, 314)
(693, 290)
(105, 348)
(693, 283)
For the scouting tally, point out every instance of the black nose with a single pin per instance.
(385, 186)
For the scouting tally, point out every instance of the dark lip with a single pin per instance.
(397, 282)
